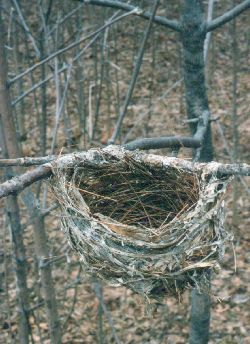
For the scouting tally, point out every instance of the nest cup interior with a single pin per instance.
(136, 194)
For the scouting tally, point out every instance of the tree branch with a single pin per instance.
(226, 170)
(195, 141)
(72, 45)
(19, 183)
(226, 17)
(134, 76)
(27, 161)
(163, 142)
(144, 144)
(171, 24)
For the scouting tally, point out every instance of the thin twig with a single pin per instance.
(171, 24)
(37, 85)
(27, 161)
(208, 36)
(134, 75)
(26, 29)
(164, 94)
(99, 294)
(70, 46)
(226, 17)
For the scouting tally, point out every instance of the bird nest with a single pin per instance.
(151, 223)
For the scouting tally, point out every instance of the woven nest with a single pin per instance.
(151, 223)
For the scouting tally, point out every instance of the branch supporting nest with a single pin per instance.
(151, 223)
(44, 171)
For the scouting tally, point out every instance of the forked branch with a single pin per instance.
(226, 17)
(195, 141)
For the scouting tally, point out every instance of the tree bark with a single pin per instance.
(193, 35)
(12, 150)
(200, 317)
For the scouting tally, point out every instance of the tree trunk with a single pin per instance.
(193, 36)
(12, 149)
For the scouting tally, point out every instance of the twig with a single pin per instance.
(164, 94)
(39, 84)
(171, 24)
(70, 46)
(226, 147)
(98, 291)
(26, 29)
(134, 75)
(26, 161)
(174, 141)
(67, 16)
(226, 17)
(74, 298)
(59, 104)
(208, 36)
(19, 183)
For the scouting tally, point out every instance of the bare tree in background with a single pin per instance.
(11, 149)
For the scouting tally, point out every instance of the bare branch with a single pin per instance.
(144, 144)
(26, 29)
(174, 141)
(208, 36)
(225, 170)
(134, 76)
(202, 126)
(163, 142)
(144, 114)
(19, 183)
(171, 24)
(226, 17)
(39, 84)
(70, 46)
(27, 161)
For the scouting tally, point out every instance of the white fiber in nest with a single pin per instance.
(153, 224)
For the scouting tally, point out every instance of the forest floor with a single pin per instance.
(125, 314)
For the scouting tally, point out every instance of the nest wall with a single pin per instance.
(153, 224)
